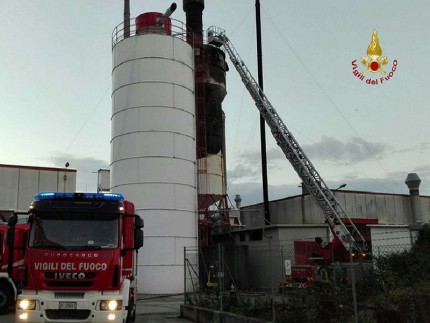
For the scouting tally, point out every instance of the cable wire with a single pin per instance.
(328, 97)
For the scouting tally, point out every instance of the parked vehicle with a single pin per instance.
(12, 243)
(81, 259)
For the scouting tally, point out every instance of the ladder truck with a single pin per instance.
(335, 215)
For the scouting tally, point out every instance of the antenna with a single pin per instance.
(65, 175)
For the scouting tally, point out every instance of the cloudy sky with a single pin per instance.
(55, 87)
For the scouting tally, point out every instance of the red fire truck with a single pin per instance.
(81, 259)
(315, 263)
(12, 245)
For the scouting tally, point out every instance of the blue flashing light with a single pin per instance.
(79, 196)
(52, 195)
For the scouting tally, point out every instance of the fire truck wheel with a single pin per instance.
(6, 296)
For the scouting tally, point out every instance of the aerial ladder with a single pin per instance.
(335, 215)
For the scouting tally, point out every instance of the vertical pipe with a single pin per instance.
(354, 293)
(194, 20)
(65, 180)
(220, 274)
(271, 280)
(126, 18)
(185, 275)
(413, 182)
(262, 122)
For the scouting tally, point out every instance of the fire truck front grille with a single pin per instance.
(69, 283)
(67, 314)
(69, 295)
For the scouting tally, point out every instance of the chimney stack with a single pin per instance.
(194, 17)
(413, 182)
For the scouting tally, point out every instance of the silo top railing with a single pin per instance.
(178, 29)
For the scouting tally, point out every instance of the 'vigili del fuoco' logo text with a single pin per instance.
(374, 64)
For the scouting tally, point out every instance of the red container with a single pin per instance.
(150, 22)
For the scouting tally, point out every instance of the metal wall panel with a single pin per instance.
(361, 210)
(371, 212)
(28, 184)
(390, 210)
(48, 181)
(349, 204)
(9, 179)
(19, 184)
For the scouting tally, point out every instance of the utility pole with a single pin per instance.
(262, 122)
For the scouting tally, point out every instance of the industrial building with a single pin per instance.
(19, 184)
(388, 222)
(298, 217)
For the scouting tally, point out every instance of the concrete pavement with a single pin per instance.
(159, 309)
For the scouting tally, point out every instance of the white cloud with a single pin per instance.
(353, 150)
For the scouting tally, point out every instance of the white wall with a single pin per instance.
(387, 239)
(19, 184)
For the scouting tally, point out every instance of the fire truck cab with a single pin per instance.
(81, 259)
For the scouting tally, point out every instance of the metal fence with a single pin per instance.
(256, 281)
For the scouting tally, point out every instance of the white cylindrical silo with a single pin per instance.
(153, 151)
(211, 180)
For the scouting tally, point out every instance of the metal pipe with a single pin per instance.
(126, 18)
(354, 293)
(170, 10)
(162, 20)
(413, 182)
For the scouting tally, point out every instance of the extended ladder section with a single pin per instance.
(339, 222)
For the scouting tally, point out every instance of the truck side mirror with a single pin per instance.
(138, 222)
(138, 239)
(13, 220)
(138, 233)
(10, 239)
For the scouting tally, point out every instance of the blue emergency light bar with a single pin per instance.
(79, 196)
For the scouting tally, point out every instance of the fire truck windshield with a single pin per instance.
(74, 231)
